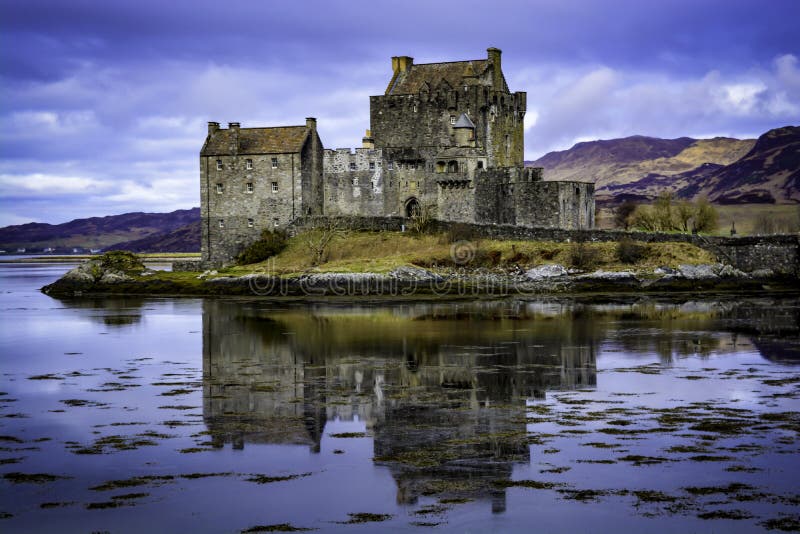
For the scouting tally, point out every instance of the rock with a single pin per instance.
(79, 275)
(762, 273)
(664, 270)
(609, 275)
(546, 271)
(417, 274)
(728, 271)
(114, 277)
(698, 272)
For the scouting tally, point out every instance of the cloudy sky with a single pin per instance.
(104, 104)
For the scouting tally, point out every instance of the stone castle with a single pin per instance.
(445, 138)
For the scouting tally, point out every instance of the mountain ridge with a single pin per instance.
(95, 232)
(726, 170)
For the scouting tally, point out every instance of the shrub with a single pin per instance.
(582, 256)
(705, 216)
(628, 251)
(121, 260)
(623, 213)
(270, 244)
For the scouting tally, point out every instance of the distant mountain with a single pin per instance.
(95, 232)
(612, 164)
(768, 173)
(183, 239)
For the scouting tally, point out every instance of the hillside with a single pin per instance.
(768, 173)
(612, 164)
(184, 239)
(95, 232)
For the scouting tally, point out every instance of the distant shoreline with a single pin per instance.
(158, 257)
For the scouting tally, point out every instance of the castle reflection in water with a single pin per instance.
(442, 389)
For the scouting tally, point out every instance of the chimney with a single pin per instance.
(234, 128)
(494, 58)
(213, 127)
(311, 123)
(368, 141)
(401, 63)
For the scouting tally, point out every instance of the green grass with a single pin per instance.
(359, 252)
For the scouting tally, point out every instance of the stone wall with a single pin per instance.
(240, 203)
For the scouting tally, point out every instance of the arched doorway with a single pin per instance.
(412, 207)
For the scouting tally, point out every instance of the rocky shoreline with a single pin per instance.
(124, 276)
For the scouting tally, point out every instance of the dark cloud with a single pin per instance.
(113, 96)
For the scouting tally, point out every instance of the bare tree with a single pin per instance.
(422, 220)
(318, 240)
(684, 212)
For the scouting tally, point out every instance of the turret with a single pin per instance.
(464, 131)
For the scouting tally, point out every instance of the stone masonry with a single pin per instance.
(447, 138)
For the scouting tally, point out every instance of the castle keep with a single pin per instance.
(447, 138)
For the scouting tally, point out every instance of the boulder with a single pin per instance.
(543, 272)
(698, 272)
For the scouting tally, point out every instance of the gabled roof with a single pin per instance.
(454, 72)
(278, 140)
(464, 122)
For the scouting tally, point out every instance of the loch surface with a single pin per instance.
(551, 414)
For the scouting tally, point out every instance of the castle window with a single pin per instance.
(415, 108)
(577, 192)
(219, 164)
(355, 181)
(250, 223)
(248, 164)
(452, 119)
(480, 164)
(248, 187)
(452, 166)
(220, 189)
(412, 166)
(274, 187)
(380, 164)
(391, 165)
(274, 163)
(221, 223)
(352, 166)
(372, 165)
(275, 222)
(440, 166)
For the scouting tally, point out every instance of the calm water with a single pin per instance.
(170, 415)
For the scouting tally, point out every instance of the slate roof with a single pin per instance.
(464, 122)
(278, 140)
(453, 72)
